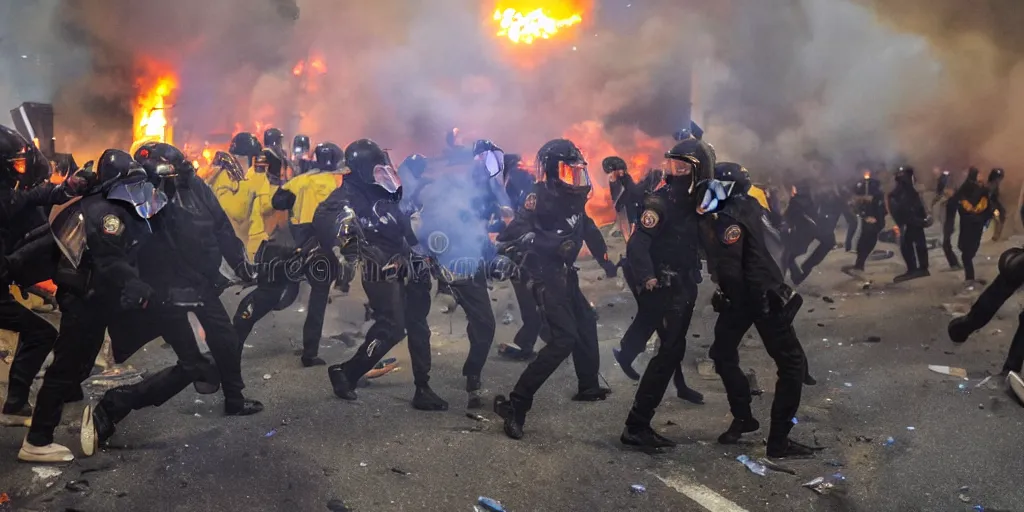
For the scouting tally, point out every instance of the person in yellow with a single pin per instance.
(301, 195)
(236, 193)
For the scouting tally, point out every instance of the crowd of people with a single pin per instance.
(135, 241)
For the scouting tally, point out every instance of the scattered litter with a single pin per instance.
(965, 488)
(828, 299)
(775, 466)
(337, 506)
(670, 422)
(948, 370)
(78, 486)
(983, 382)
(848, 384)
(266, 376)
(752, 465)
(997, 331)
(981, 406)
(399, 471)
(874, 339)
(834, 463)
(911, 429)
(889, 442)
(821, 324)
(637, 489)
(822, 485)
(964, 498)
(962, 387)
(363, 464)
(198, 402)
(45, 473)
(486, 504)
(246, 345)
(796, 421)
(477, 417)
(272, 432)
(863, 439)
(825, 340)
(197, 415)
(506, 318)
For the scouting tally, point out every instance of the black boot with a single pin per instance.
(960, 329)
(645, 437)
(339, 381)
(808, 380)
(515, 417)
(788, 449)
(737, 429)
(473, 385)
(208, 382)
(594, 394)
(308, 362)
(426, 400)
(242, 407)
(626, 363)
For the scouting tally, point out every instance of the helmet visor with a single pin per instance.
(493, 161)
(683, 166)
(385, 177)
(140, 193)
(574, 173)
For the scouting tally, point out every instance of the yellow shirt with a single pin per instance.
(310, 190)
(759, 194)
(240, 202)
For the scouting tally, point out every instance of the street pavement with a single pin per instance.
(953, 447)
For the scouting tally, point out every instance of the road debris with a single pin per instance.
(889, 441)
(874, 339)
(78, 486)
(337, 506)
(363, 464)
(477, 417)
(266, 376)
(983, 382)
(485, 504)
(911, 429)
(399, 471)
(754, 467)
(637, 489)
(272, 432)
(775, 466)
(822, 485)
(828, 299)
(948, 370)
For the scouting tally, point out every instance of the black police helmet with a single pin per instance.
(362, 156)
(22, 165)
(301, 144)
(416, 164)
(612, 164)
(995, 175)
(483, 145)
(162, 160)
(245, 144)
(557, 151)
(328, 156)
(114, 165)
(697, 153)
(731, 172)
(272, 137)
(906, 174)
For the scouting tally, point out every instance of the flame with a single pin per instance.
(151, 109)
(539, 23)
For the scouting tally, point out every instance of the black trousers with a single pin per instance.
(652, 309)
(794, 247)
(676, 307)
(851, 227)
(533, 323)
(573, 325)
(476, 302)
(969, 242)
(948, 226)
(221, 337)
(988, 303)
(321, 275)
(35, 341)
(397, 307)
(914, 248)
(82, 325)
(781, 342)
(867, 241)
(256, 305)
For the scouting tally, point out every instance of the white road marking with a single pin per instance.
(701, 494)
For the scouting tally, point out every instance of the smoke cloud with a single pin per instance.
(929, 82)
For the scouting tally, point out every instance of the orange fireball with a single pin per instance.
(526, 23)
(151, 119)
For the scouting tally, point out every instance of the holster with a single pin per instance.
(720, 302)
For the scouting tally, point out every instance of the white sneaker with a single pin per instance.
(1016, 385)
(88, 436)
(52, 452)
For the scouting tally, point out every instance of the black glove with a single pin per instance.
(135, 295)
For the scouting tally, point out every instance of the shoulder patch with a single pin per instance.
(112, 225)
(531, 201)
(731, 234)
(649, 219)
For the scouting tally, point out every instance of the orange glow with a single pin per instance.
(151, 116)
(526, 25)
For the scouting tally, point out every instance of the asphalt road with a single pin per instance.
(309, 451)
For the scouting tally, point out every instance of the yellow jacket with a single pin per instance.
(240, 201)
(758, 193)
(275, 223)
(310, 190)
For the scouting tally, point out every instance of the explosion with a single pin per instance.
(150, 111)
(536, 24)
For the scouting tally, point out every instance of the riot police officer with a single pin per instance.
(665, 266)
(975, 210)
(93, 285)
(944, 192)
(368, 205)
(23, 188)
(909, 214)
(627, 197)
(869, 202)
(744, 257)
(554, 213)
(803, 228)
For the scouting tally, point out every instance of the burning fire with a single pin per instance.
(151, 121)
(533, 25)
